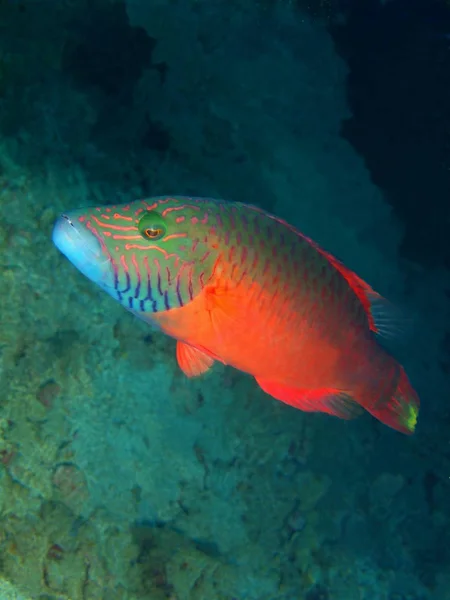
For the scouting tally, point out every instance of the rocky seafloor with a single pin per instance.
(120, 478)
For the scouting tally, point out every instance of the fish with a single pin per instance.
(235, 284)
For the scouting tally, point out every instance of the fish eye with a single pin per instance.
(153, 233)
(151, 226)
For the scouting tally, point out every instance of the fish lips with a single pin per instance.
(84, 251)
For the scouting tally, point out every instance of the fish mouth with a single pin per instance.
(83, 249)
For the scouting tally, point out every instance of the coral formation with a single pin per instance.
(120, 479)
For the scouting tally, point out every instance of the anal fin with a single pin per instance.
(191, 361)
(327, 400)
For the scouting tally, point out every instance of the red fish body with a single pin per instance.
(235, 284)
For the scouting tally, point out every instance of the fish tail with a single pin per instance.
(401, 409)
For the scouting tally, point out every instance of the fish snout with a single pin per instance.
(83, 249)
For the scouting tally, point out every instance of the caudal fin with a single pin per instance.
(401, 410)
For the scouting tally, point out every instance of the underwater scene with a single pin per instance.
(225, 307)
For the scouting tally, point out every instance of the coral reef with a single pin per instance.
(120, 479)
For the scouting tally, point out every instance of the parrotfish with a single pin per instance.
(233, 283)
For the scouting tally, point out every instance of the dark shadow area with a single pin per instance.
(399, 95)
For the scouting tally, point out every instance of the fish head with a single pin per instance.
(150, 255)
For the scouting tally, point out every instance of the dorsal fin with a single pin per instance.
(366, 294)
(383, 318)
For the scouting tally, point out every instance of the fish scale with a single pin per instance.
(233, 283)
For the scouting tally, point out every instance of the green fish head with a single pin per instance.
(150, 255)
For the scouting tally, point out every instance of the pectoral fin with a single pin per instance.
(191, 361)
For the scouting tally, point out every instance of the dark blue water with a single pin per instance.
(120, 478)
